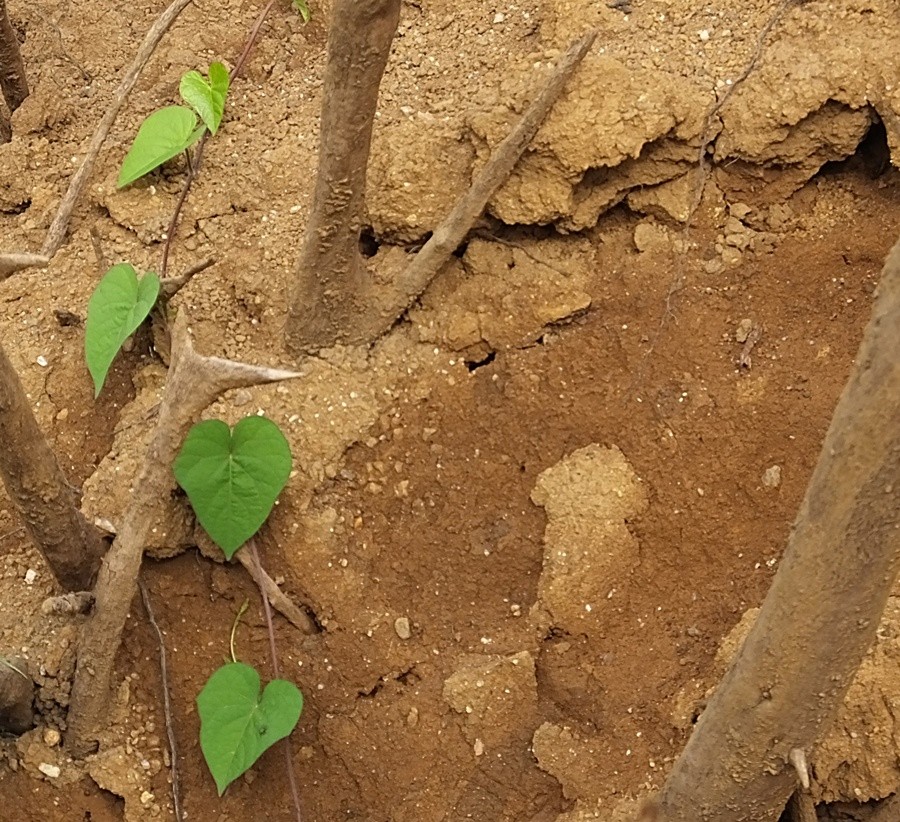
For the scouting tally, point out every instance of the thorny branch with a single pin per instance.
(194, 381)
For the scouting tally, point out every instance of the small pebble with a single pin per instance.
(479, 747)
(51, 771)
(401, 626)
(51, 737)
(772, 476)
(42, 361)
(30, 576)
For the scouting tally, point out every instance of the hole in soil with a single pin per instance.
(368, 243)
(474, 365)
(17, 208)
(872, 155)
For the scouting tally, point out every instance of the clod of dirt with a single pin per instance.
(117, 772)
(408, 194)
(496, 694)
(589, 497)
(617, 128)
(503, 295)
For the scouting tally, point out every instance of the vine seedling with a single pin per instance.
(171, 130)
(119, 304)
(232, 478)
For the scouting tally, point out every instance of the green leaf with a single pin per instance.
(162, 135)
(119, 304)
(233, 478)
(207, 98)
(236, 725)
(303, 7)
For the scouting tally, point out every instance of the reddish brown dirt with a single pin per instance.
(421, 506)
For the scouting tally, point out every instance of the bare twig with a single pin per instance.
(167, 702)
(259, 576)
(57, 232)
(280, 601)
(802, 808)
(18, 261)
(172, 285)
(453, 229)
(195, 161)
(703, 167)
(194, 381)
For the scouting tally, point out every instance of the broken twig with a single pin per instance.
(453, 229)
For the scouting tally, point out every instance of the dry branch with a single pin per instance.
(448, 236)
(194, 382)
(37, 488)
(13, 82)
(820, 616)
(16, 261)
(277, 598)
(12, 262)
(56, 234)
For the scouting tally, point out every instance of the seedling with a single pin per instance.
(171, 130)
(119, 304)
(232, 478)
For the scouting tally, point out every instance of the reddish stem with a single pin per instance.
(194, 163)
(257, 575)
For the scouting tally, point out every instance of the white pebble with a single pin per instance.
(49, 770)
(30, 576)
(42, 361)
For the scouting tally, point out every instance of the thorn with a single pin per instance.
(797, 758)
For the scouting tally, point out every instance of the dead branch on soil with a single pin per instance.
(39, 491)
(801, 808)
(260, 576)
(56, 234)
(194, 381)
(167, 701)
(448, 236)
(820, 616)
(277, 598)
(18, 261)
(333, 302)
(703, 170)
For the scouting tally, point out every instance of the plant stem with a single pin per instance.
(257, 567)
(167, 705)
(57, 231)
(194, 166)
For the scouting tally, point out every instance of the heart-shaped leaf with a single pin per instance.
(162, 135)
(119, 304)
(233, 478)
(237, 724)
(207, 98)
